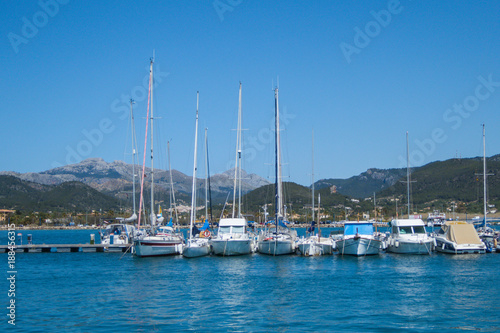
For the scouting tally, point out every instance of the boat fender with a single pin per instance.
(206, 233)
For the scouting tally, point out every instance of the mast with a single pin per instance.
(485, 175)
(141, 200)
(209, 189)
(133, 155)
(237, 164)
(278, 185)
(276, 145)
(206, 176)
(408, 172)
(153, 216)
(193, 191)
(313, 175)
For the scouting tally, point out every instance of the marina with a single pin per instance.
(253, 293)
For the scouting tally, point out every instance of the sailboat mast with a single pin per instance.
(193, 190)
(133, 155)
(484, 174)
(206, 176)
(279, 185)
(276, 135)
(153, 217)
(313, 175)
(239, 154)
(319, 216)
(237, 166)
(408, 172)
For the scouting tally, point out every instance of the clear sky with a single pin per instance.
(360, 73)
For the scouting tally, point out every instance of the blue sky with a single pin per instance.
(360, 73)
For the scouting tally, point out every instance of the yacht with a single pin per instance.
(458, 237)
(410, 237)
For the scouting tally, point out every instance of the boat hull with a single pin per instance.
(154, 248)
(445, 246)
(231, 247)
(196, 248)
(276, 247)
(409, 247)
(312, 248)
(358, 246)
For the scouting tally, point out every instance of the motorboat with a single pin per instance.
(458, 237)
(408, 236)
(359, 239)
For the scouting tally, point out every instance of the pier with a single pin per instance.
(51, 248)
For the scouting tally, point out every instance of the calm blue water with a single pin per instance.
(101, 292)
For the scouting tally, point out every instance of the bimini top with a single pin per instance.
(232, 222)
(361, 228)
(407, 222)
(460, 232)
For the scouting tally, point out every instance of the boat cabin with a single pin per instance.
(232, 226)
(360, 228)
(408, 226)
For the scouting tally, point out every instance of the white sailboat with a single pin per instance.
(315, 244)
(233, 238)
(408, 236)
(277, 239)
(162, 240)
(486, 233)
(195, 246)
(124, 232)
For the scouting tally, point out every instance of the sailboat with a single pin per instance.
(158, 240)
(486, 233)
(278, 239)
(315, 244)
(233, 238)
(409, 236)
(195, 246)
(124, 232)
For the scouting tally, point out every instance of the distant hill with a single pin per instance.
(69, 196)
(365, 184)
(454, 179)
(115, 179)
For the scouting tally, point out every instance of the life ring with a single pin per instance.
(206, 233)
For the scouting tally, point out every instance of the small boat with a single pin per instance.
(277, 239)
(118, 233)
(315, 245)
(409, 236)
(436, 219)
(196, 246)
(458, 237)
(358, 239)
(233, 238)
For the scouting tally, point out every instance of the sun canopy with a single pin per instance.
(461, 233)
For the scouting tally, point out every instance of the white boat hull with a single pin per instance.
(231, 247)
(358, 246)
(157, 247)
(310, 247)
(410, 247)
(196, 248)
(446, 246)
(276, 247)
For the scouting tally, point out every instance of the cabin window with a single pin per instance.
(405, 230)
(419, 229)
(394, 229)
(224, 230)
(238, 230)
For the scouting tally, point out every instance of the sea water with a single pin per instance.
(102, 292)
